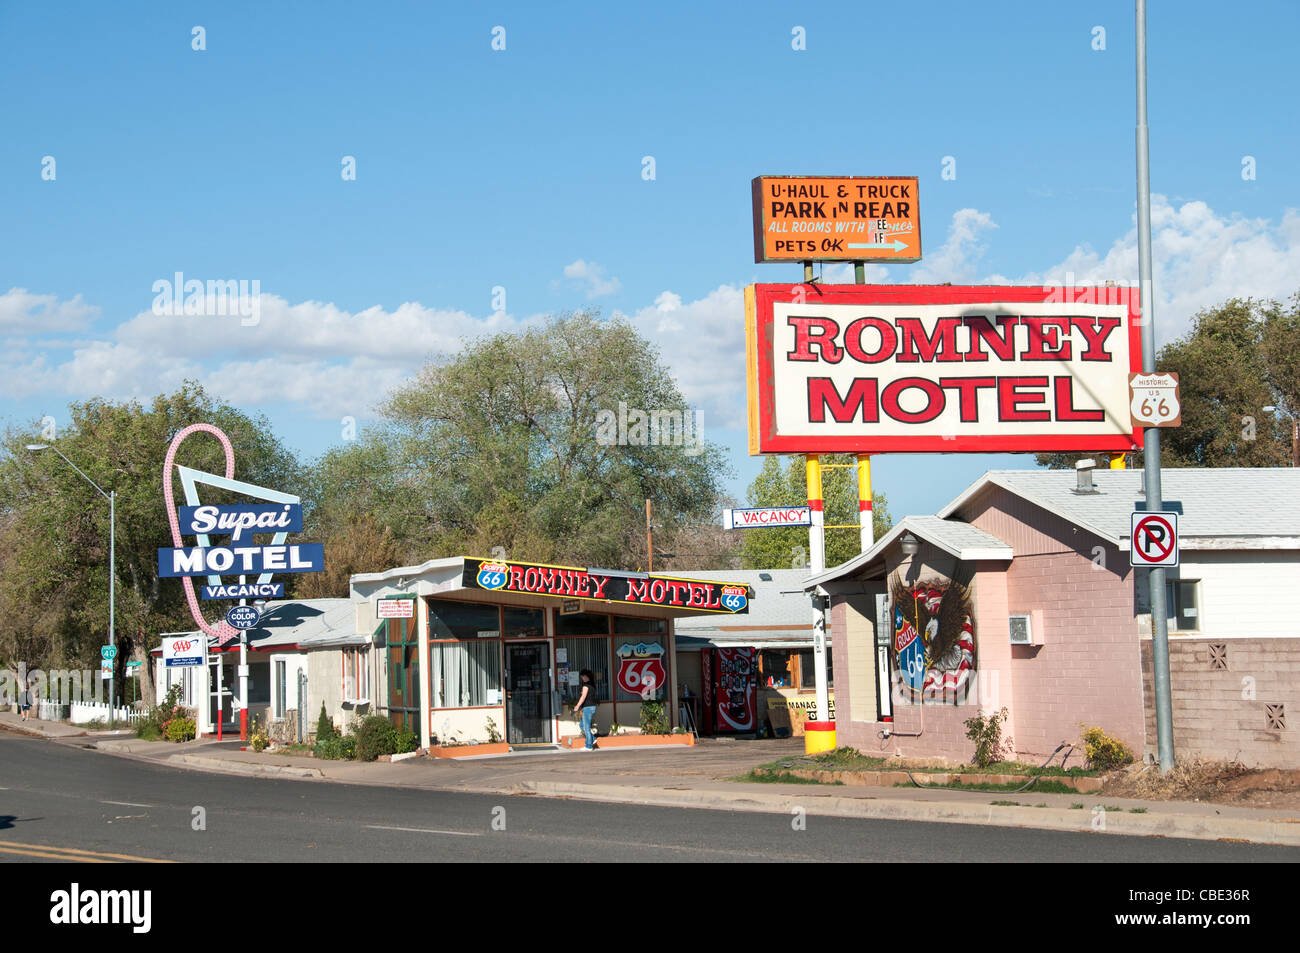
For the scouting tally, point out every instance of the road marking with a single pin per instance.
(47, 854)
(76, 853)
(423, 830)
(126, 803)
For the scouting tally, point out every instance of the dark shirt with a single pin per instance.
(590, 700)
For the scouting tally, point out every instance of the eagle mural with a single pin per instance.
(933, 644)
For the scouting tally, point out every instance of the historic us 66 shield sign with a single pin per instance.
(1153, 400)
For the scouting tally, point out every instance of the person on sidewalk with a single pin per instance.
(586, 707)
(25, 701)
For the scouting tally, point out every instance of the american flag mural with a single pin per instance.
(932, 649)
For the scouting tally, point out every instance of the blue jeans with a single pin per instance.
(589, 733)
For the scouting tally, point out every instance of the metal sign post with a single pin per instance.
(1154, 502)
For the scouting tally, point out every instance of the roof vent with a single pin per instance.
(1083, 475)
(765, 576)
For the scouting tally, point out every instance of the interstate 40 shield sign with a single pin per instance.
(940, 368)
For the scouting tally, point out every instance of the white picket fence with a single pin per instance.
(81, 712)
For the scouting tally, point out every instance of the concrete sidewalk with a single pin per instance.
(49, 729)
(696, 777)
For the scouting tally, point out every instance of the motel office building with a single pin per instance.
(480, 654)
(1019, 594)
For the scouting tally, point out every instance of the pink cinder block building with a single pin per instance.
(1019, 594)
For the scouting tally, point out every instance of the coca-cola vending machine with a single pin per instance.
(730, 680)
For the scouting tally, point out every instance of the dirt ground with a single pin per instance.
(1220, 782)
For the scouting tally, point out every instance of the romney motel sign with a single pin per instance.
(899, 368)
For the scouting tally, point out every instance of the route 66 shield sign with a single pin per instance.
(1154, 400)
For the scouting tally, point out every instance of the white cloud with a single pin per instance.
(1199, 259)
(22, 312)
(330, 360)
(702, 343)
(334, 362)
(592, 276)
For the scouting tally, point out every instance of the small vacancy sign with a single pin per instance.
(758, 516)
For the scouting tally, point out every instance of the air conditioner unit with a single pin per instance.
(1026, 628)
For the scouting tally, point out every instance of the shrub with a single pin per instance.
(180, 728)
(493, 733)
(325, 729)
(337, 748)
(150, 727)
(257, 735)
(986, 732)
(375, 736)
(407, 740)
(654, 718)
(1104, 752)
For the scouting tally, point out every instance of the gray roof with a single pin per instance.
(310, 623)
(964, 541)
(1237, 503)
(778, 602)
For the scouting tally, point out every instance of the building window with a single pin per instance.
(580, 653)
(1180, 604)
(582, 623)
(466, 674)
(280, 689)
(523, 623)
(775, 668)
(356, 675)
(808, 670)
(463, 620)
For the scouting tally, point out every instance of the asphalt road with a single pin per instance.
(60, 802)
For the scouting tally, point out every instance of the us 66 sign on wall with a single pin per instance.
(940, 368)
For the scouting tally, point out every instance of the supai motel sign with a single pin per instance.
(242, 555)
(605, 585)
(941, 368)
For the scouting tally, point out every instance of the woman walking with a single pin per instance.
(586, 706)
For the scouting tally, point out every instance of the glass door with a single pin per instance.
(528, 693)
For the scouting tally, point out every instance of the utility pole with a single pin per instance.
(1151, 440)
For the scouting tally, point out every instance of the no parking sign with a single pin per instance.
(1154, 539)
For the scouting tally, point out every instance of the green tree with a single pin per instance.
(54, 527)
(516, 443)
(1237, 359)
(783, 482)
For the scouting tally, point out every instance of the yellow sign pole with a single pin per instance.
(864, 501)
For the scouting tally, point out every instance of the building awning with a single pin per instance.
(959, 539)
(587, 589)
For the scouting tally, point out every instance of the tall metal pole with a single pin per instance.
(1151, 442)
(112, 588)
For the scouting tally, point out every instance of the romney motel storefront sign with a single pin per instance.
(605, 585)
(916, 368)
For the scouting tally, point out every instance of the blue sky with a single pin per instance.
(522, 169)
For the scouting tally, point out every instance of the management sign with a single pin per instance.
(917, 368)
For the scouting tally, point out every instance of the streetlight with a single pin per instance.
(1295, 432)
(111, 496)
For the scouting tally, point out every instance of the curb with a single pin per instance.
(1108, 822)
(1280, 832)
(243, 767)
(38, 733)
